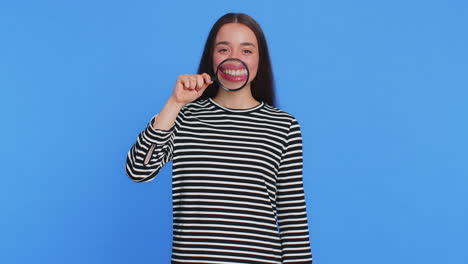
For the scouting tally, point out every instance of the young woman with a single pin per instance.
(237, 160)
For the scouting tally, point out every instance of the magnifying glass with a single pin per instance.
(232, 74)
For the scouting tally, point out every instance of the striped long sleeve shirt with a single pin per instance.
(237, 184)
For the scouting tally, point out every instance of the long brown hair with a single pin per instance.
(263, 85)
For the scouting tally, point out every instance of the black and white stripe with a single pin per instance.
(237, 183)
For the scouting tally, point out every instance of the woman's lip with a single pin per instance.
(231, 66)
(233, 78)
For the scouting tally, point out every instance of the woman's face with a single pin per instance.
(238, 41)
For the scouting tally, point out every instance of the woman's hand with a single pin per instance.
(189, 87)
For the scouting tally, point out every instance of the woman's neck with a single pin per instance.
(241, 99)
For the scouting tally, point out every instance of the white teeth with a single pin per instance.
(236, 72)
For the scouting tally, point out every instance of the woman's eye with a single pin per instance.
(222, 50)
(248, 51)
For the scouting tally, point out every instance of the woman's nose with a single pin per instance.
(235, 54)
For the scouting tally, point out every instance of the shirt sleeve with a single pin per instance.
(290, 202)
(153, 149)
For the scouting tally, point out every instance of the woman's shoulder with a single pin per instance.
(278, 113)
(197, 104)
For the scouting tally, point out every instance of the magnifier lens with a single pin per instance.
(232, 74)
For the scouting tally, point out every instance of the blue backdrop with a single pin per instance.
(380, 89)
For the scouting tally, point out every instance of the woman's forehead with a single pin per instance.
(235, 34)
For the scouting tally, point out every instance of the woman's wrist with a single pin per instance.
(173, 103)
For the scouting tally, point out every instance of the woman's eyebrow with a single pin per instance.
(248, 44)
(228, 43)
(222, 43)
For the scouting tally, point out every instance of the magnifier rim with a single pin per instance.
(235, 89)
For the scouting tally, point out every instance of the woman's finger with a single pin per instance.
(207, 78)
(193, 82)
(200, 82)
(186, 82)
